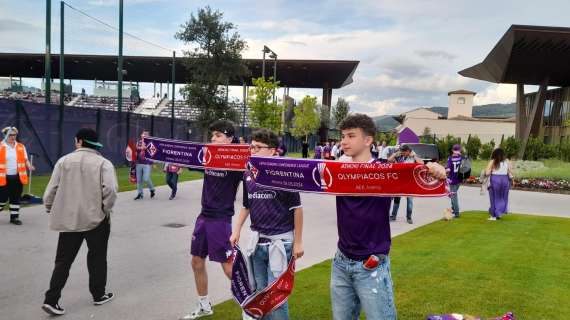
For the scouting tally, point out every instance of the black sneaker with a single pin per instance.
(152, 193)
(410, 221)
(17, 222)
(104, 299)
(139, 196)
(53, 309)
(171, 196)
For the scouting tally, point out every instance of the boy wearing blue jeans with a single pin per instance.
(360, 277)
(276, 221)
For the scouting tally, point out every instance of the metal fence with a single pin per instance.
(39, 130)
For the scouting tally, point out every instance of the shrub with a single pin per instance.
(534, 149)
(511, 146)
(565, 150)
(486, 150)
(473, 146)
(444, 145)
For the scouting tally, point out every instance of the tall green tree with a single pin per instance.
(214, 61)
(264, 112)
(307, 119)
(341, 110)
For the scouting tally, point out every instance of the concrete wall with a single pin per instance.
(485, 130)
(457, 108)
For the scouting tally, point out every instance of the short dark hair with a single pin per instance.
(87, 135)
(359, 121)
(266, 136)
(224, 126)
(405, 147)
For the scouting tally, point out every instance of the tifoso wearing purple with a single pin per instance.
(453, 164)
(219, 192)
(363, 226)
(271, 211)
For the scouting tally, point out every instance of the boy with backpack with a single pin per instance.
(458, 169)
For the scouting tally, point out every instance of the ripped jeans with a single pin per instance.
(354, 288)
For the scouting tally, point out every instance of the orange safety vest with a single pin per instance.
(21, 163)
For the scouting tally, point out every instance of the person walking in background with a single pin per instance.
(172, 172)
(318, 151)
(335, 153)
(327, 151)
(374, 151)
(80, 197)
(452, 169)
(499, 171)
(144, 168)
(13, 172)
(305, 149)
(404, 155)
(282, 149)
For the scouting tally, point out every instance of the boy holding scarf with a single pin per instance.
(360, 277)
(276, 222)
(214, 224)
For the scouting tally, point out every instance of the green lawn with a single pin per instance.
(39, 183)
(469, 265)
(553, 168)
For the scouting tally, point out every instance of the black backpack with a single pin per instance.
(464, 170)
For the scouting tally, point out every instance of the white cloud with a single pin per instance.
(350, 45)
(497, 93)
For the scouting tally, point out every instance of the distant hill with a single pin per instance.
(385, 123)
(495, 110)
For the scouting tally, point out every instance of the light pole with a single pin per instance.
(273, 56)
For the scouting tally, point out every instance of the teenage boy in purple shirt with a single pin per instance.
(452, 168)
(364, 235)
(214, 224)
(276, 221)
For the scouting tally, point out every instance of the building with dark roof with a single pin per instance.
(533, 55)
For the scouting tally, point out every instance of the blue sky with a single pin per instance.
(409, 51)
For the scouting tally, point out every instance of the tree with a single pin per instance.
(389, 137)
(306, 119)
(264, 112)
(340, 111)
(215, 60)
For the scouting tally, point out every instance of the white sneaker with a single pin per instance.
(492, 219)
(199, 313)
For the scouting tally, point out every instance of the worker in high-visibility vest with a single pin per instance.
(14, 166)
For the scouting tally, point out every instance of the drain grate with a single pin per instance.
(174, 225)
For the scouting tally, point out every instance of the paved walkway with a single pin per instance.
(149, 265)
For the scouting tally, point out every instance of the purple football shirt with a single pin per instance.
(363, 226)
(453, 164)
(219, 192)
(271, 211)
